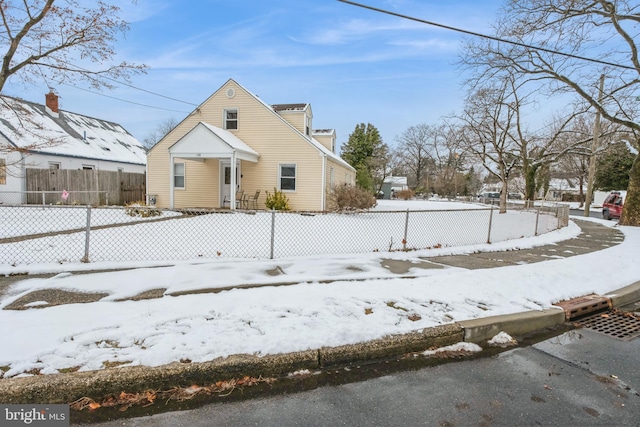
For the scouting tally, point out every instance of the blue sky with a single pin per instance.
(351, 64)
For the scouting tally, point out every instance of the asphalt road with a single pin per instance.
(593, 212)
(581, 377)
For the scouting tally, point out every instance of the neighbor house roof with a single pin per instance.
(396, 180)
(35, 128)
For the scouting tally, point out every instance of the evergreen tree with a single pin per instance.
(612, 171)
(362, 151)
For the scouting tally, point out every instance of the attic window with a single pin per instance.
(231, 118)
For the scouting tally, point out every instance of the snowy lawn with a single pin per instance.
(270, 320)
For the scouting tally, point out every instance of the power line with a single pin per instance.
(498, 39)
(141, 89)
(118, 82)
(122, 100)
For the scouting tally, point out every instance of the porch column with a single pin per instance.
(171, 180)
(233, 188)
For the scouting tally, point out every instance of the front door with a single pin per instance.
(225, 180)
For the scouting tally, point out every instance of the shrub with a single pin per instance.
(140, 209)
(347, 197)
(277, 201)
(404, 194)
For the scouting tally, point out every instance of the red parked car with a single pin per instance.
(612, 206)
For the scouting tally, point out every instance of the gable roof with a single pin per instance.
(291, 107)
(29, 126)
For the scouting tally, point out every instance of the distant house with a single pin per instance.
(392, 184)
(235, 142)
(560, 189)
(43, 136)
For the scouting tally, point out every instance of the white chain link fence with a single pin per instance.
(71, 234)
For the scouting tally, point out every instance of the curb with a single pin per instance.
(68, 387)
(478, 330)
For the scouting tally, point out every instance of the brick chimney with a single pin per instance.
(52, 103)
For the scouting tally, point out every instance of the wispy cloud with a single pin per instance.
(354, 29)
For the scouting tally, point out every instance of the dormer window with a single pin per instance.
(231, 118)
(307, 125)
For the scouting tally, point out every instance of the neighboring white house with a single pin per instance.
(559, 188)
(43, 136)
(392, 184)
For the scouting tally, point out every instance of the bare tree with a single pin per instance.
(575, 163)
(413, 150)
(597, 37)
(448, 156)
(489, 118)
(157, 133)
(44, 38)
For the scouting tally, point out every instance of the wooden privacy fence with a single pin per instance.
(86, 187)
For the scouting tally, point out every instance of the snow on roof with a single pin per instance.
(289, 107)
(396, 180)
(28, 125)
(562, 184)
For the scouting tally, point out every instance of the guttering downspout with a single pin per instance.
(234, 183)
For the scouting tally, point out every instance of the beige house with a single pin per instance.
(234, 140)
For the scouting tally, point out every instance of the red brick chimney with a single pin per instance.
(52, 101)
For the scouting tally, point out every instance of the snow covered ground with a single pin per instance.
(279, 319)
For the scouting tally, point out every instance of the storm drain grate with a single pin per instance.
(618, 324)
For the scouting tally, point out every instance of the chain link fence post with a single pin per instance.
(87, 234)
(537, 219)
(490, 221)
(406, 228)
(273, 232)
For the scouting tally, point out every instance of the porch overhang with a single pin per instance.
(205, 141)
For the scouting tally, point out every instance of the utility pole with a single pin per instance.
(592, 157)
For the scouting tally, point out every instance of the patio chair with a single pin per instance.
(239, 199)
(253, 201)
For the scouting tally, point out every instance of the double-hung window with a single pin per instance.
(178, 175)
(287, 177)
(231, 118)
